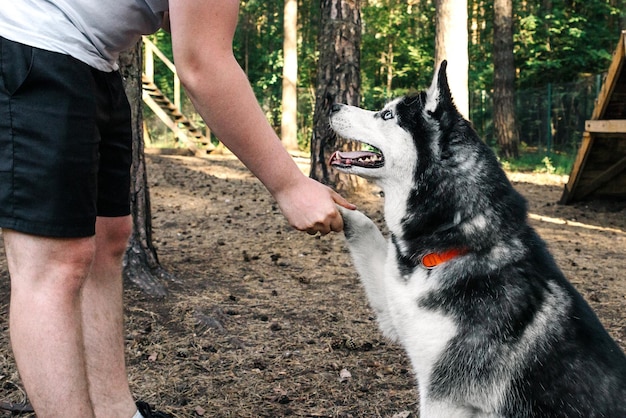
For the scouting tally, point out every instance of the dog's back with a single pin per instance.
(529, 336)
(493, 329)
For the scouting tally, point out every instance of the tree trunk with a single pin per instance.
(338, 81)
(289, 119)
(505, 128)
(451, 42)
(546, 10)
(141, 264)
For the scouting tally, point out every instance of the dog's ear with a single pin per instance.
(438, 96)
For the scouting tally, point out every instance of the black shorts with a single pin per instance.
(65, 143)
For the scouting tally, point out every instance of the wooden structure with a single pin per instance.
(168, 111)
(599, 171)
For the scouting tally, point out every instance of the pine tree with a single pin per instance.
(338, 81)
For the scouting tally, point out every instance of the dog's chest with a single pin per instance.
(424, 333)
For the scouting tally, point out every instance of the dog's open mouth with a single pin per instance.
(365, 159)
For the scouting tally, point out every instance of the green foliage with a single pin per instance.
(569, 39)
(309, 22)
(162, 75)
(537, 162)
(555, 41)
(480, 15)
(258, 48)
(397, 48)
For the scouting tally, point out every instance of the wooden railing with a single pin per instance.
(148, 66)
(167, 110)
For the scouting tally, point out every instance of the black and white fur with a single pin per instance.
(498, 331)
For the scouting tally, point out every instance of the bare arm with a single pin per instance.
(202, 35)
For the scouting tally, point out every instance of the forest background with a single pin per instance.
(561, 49)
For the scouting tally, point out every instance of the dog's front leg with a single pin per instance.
(368, 249)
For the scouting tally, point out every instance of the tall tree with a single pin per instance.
(141, 264)
(504, 124)
(398, 44)
(289, 119)
(258, 48)
(451, 44)
(338, 81)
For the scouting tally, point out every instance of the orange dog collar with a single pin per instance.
(432, 260)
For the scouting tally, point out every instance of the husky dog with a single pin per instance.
(491, 325)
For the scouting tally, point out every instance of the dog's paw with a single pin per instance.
(355, 222)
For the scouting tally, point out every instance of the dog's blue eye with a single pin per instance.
(386, 115)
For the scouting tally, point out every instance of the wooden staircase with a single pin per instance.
(185, 131)
(599, 171)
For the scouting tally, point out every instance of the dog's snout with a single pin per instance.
(335, 108)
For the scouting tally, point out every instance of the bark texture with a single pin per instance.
(338, 81)
(141, 263)
(504, 123)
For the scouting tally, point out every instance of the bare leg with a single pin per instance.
(66, 321)
(103, 322)
(47, 275)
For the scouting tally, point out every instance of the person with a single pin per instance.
(65, 145)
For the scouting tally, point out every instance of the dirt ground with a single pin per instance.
(264, 321)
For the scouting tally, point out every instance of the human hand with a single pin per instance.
(312, 207)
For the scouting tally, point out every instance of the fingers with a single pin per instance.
(332, 223)
(336, 223)
(341, 201)
(314, 208)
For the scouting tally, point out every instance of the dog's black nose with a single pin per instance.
(335, 108)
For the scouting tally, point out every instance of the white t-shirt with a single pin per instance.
(92, 31)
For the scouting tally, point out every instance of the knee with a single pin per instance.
(112, 236)
(51, 266)
(76, 265)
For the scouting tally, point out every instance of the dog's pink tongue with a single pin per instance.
(346, 157)
(353, 155)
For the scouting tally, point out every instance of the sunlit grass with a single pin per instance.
(540, 162)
